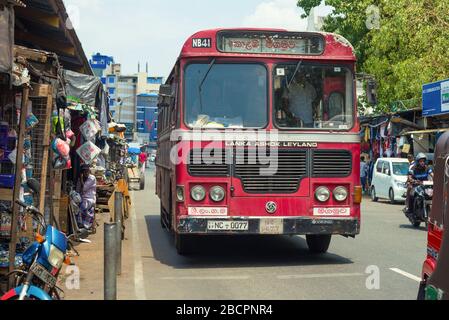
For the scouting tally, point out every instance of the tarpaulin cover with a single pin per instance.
(82, 88)
(134, 150)
(6, 39)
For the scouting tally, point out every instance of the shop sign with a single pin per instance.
(436, 98)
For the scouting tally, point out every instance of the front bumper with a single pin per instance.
(291, 226)
(399, 194)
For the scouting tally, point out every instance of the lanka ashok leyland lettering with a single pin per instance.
(234, 155)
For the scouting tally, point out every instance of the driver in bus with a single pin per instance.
(285, 117)
(301, 96)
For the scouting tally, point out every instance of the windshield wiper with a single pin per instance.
(294, 74)
(200, 88)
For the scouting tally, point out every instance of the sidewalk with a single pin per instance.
(91, 266)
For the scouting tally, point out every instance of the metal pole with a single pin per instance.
(18, 182)
(110, 263)
(118, 219)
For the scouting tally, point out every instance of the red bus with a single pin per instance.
(258, 134)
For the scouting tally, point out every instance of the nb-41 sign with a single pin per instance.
(436, 98)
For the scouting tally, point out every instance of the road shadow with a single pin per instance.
(410, 227)
(236, 251)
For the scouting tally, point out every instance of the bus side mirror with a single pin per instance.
(371, 92)
(165, 90)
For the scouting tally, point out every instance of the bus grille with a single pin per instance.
(207, 165)
(331, 163)
(283, 175)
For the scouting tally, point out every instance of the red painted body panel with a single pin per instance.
(435, 236)
(336, 48)
(240, 203)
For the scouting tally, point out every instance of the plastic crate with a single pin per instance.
(7, 167)
(4, 129)
(7, 181)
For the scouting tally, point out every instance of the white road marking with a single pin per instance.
(406, 274)
(322, 275)
(208, 278)
(138, 265)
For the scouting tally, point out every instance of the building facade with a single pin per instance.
(147, 115)
(100, 63)
(132, 98)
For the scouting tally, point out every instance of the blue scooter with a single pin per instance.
(42, 261)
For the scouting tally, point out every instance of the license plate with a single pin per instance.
(207, 211)
(42, 273)
(325, 212)
(228, 225)
(271, 226)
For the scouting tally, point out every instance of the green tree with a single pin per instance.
(409, 48)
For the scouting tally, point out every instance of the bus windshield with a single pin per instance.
(229, 96)
(313, 97)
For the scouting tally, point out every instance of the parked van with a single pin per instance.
(390, 179)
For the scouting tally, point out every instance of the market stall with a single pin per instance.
(27, 100)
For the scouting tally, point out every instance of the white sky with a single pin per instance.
(154, 31)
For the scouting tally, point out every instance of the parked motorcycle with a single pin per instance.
(419, 213)
(36, 279)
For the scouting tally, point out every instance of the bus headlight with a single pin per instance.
(198, 193)
(217, 194)
(341, 194)
(322, 194)
(180, 193)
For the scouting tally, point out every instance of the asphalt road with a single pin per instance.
(266, 268)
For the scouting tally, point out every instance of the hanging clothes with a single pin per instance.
(383, 130)
(367, 134)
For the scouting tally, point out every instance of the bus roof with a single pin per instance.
(335, 47)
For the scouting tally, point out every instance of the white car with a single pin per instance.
(390, 177)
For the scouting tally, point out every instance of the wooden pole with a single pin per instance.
(18, 182)
(46, 147)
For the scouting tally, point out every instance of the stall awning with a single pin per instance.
(427, 131)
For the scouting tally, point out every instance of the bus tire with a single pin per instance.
(163, 217)
(318, 244)
(182, 244)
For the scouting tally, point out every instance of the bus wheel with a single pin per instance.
(163, 217)
(319, 243)
(182, 244)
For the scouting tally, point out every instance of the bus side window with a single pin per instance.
(173, 104)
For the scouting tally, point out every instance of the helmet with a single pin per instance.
(421, 156)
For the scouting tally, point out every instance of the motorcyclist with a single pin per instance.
(418, 173)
